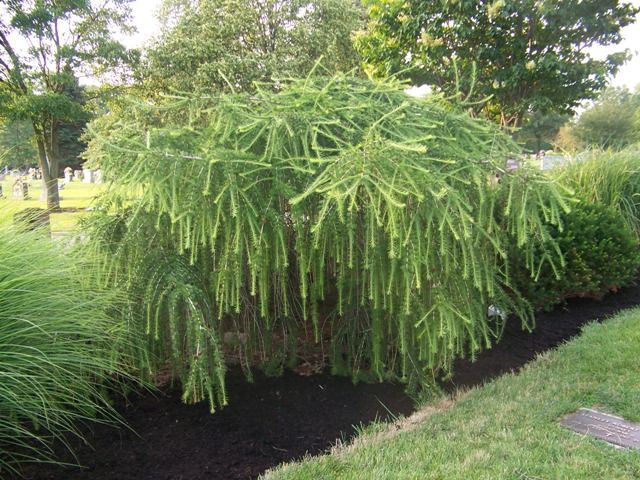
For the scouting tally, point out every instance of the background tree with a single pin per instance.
(531, 55)
(539, 130)
(45, 45)
(222, 44)
(566, 139)
(611, 120)
(16, 145)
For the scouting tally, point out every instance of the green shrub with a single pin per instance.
(340, 215)
(600, 252)
(55, 347)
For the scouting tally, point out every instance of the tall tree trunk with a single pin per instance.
(49, 166)
(50, 184)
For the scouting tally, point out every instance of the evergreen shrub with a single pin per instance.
(336, 217)
(600, 251)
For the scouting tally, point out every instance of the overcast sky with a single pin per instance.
(629, 74)
(145, 19)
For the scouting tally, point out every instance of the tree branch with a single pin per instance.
(16, 72)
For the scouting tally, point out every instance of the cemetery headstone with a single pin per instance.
(77, 175)
(614, 430)
(20, 189)
(513, 164)
(67, 174)
(33, 219)
(87, 175)
(549, 162)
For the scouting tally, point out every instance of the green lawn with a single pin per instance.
(75, 195)
(509, 429)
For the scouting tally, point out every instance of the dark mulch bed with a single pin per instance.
(518, 347)
(281, 419)
(266, 423)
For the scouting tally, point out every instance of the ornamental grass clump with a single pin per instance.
(338, 214)
(55, 348)
(607, 177)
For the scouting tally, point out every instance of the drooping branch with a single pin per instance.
(338, 207)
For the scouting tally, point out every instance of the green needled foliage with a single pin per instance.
(55, 348)
(336, 211)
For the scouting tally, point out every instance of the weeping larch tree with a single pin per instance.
(337, 214)
(45, 46)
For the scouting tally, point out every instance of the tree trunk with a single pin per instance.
(510, 120)
(49, 167)
(50, 184)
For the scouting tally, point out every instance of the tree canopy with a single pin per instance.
(16, 144)
(613, 121)
(45, 46)
(526, 55)
(539, 130)
(229, 44)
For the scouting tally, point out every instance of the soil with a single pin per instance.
(275, 420)
(518, 346)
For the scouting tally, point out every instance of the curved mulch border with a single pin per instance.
(276, 420)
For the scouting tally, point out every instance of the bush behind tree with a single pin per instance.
(217, 45)
(601, 254)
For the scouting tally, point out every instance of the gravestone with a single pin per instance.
(77, 175)
(614, 430)
(32, 219)
(549, 162)
(87, 176)
(20, 189)
(512, 164)
(67, 174)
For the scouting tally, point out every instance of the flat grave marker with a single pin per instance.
(614, 430)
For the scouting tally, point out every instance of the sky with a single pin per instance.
(629, 74)
(145, 19)
(146, 22)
